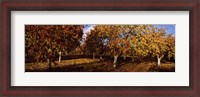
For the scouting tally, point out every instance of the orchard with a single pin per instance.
(110, 46)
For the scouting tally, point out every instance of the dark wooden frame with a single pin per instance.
(99, 5)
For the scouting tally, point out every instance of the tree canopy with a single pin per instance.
(46, 41)
(131, 40)
(136, 41)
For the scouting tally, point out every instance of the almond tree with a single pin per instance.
(96, 41)
(116, 42)
(158, 46)
(156, 43)
(48, 41)
(120, 40)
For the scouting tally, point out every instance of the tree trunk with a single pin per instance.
(115, 60)
(101, 58)
(93, 55)
(133, 59)
(60, 56)
(159, 60)
(49, 63)
(124, 57)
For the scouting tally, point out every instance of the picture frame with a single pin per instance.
(193, 90)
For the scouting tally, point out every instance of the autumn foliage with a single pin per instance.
(136, 41)
(45, 43)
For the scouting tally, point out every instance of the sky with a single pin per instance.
(87, 29)
(170, 28)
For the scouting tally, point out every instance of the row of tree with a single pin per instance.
(138, 41)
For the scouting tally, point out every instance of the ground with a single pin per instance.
(95, 65)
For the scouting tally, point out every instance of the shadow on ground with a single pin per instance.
(105, 66)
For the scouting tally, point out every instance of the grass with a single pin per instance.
(43, 66)
(94, 65)
(76, 61)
